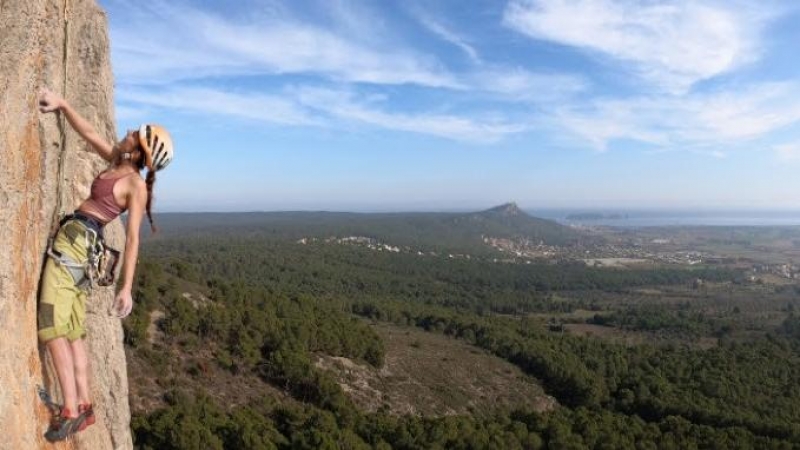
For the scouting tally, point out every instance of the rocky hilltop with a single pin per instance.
(506, 209)
(64, 45)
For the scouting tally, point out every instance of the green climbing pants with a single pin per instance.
(62, 304)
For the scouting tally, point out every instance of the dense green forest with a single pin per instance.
(433, 231)
(246, 297)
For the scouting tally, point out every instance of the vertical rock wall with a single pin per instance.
(32, 55)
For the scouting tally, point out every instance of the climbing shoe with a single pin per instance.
(88, 415)
(64, 426)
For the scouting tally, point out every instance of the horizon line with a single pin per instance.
(570, 209)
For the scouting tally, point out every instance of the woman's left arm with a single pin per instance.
(136, 204)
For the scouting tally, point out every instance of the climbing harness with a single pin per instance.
(100, 266)
(107, 265)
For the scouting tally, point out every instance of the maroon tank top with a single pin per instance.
(102, 197)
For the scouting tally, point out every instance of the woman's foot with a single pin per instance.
(64, 425)
(87, 411)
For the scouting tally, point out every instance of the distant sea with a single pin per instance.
(635, 219)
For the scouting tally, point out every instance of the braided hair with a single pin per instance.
(149, 180)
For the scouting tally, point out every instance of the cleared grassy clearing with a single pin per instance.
(431, 374)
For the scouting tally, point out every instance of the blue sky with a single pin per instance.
(460, 105)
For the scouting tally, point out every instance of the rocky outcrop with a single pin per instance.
(62, 44)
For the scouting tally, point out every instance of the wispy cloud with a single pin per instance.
(315, 73)
(319, 107)
(348, 106)
(672, 44)
(258, 107)
(445, 33)
(711, 120)
(517, 84)
(183, 42)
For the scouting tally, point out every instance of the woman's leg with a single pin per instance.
(71, 420)
(81, 366)
(62, 354)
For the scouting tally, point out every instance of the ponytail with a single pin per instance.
(150, 181)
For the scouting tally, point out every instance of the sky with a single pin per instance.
(447, 105)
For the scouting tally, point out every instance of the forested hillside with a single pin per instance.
(245, 304)
(433, 231)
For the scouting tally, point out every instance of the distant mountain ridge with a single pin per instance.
(506, 209)
(509, 221)
(429, 230)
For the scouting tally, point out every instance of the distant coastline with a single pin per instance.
(596, 216)
(573, 217)
(653, 218)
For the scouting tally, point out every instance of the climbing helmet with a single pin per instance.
(157, 145)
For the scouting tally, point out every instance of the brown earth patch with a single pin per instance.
(435, 375)
(191, 371)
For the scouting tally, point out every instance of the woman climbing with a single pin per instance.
(62, 297)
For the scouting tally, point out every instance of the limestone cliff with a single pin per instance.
(62, 44)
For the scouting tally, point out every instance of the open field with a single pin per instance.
(434, 375)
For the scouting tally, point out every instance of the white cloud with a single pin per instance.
(251, 106)
(706, 122)
(518, 84)
(185, 44)
(672, 44)
(318, 107)
(181, 43)
(347, 106)
(719, 119)
(448, 35)
(188, 44)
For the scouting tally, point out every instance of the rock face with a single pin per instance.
(61, 44)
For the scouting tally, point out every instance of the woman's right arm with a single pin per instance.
(49, 102)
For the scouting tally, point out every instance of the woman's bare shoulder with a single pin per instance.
(135, 183)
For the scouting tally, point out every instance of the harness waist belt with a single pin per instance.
(87, 220)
